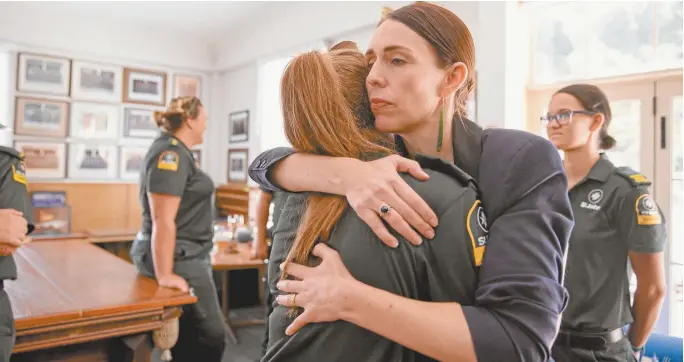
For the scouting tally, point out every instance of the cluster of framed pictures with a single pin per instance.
(90, 81)
(85, 120)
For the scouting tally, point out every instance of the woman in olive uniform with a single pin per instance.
(618, 226)
(175, 242)
(16, 222)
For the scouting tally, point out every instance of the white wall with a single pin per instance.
(240, 93)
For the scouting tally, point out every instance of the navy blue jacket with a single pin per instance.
(524, 190)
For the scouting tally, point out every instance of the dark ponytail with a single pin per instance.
(593, 99)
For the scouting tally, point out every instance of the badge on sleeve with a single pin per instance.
(477, 231)
(168, 160)
(647, 211)
(19, 173)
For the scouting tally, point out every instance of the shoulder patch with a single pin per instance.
(476, 224)
(647, 212)
(634, 177)
(19, 173)
(168, 160)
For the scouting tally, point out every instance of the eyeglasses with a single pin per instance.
(562, 118)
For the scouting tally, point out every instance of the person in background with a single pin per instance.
(175, 241)
(618, 227)
(422, 61)
(16, 223)
(261, 248)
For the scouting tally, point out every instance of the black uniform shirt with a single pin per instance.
(614, 214)
(169, 168)
(524, 190)
(13, 195)
(442, 270)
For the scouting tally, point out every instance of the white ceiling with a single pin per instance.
(206, 21)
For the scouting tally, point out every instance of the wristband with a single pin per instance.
(636, 349)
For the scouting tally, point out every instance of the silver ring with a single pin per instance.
(385, 209)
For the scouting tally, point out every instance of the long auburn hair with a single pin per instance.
(327, 112)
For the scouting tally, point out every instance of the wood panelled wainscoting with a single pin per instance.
(98, 206)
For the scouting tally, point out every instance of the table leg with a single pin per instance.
(262, 275)
(224, 305)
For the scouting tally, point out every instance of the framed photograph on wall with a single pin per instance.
(197, 155)
(94, 120)
(238, 127)
(40, 117)
(96, 82)
(44, 160)
(237, 165)
(43, 74)
(187, 86)
(92, 161)
(144, 87)
(131, 162)
(139, 123)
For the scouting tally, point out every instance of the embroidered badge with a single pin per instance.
(168, 160)
(646, 211)
(19, 173)
(476, 224)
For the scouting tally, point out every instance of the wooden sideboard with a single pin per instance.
(74, 301)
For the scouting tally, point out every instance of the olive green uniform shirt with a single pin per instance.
(13, 195)
(614, 215)
(170, 169)
(443, 269)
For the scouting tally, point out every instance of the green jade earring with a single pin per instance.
(440, 135)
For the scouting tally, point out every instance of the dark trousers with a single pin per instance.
(202, 332)
(620, 351)
(7, 332)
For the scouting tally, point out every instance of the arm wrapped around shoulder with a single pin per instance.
(520, 293)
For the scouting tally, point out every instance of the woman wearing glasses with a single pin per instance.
(616, 220)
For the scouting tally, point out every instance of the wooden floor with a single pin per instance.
(249, 348)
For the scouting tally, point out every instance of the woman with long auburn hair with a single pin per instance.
(317, 87)
(422, 62)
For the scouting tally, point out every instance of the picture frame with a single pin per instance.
(40, 117)
(238, 127)
(132, 159)
(197, 155)
(96, 82)
(139, 123)
(238, 161)
(144, 87)
(187, 86)
(43, 74)
(94, 121)
(92, 161)
(43, 160)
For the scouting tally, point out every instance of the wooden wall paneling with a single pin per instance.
(98, 206)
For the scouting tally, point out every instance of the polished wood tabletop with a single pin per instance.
(235, 257)
(71, 286)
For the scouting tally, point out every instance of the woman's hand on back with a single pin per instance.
(376, 183)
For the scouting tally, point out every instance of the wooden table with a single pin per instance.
(224, 261)
(74, 294)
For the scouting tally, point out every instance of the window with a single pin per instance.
(269, 111)
(613, 39)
